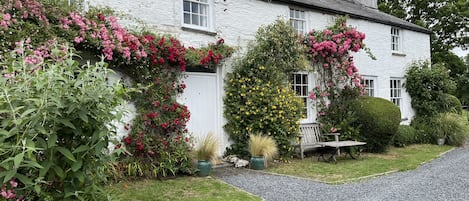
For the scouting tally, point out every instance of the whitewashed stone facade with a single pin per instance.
(238, 20)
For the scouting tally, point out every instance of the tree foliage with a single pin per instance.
(446, 19)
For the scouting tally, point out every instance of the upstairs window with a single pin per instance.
(298, 20)
(396, 40)
(396, 91)
(196, 14)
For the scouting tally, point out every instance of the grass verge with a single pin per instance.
(183, 188)
(346, 169)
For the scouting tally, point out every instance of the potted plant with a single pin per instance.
(262, 149)
(206, 154)
(440, 134)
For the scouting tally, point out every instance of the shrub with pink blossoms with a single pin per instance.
(339, 81)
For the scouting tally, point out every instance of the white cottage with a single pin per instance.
(395, 43)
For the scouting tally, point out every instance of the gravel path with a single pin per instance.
(445, 178)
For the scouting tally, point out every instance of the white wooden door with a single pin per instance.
(201, 96)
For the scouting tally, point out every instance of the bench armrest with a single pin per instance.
(336, 135)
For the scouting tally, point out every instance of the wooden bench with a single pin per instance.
(310, 137)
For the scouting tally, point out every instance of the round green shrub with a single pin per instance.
(452, 104)
(378, 120)
(405, 136)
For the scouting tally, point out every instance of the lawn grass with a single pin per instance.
(183, 188)
(346, 169)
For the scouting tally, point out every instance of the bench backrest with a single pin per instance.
(310, 133)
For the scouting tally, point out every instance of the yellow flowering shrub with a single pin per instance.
(254, 105)
(258, 98)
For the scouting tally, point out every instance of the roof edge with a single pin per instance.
(353, 15)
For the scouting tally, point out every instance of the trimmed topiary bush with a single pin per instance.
(405, 136)
(378, 120)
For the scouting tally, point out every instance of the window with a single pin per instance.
(298, 20)
(300, 84)
(396, 91)
(369, 82)
(196, 13)
(395, 40)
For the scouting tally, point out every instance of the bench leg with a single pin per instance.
(301, 153)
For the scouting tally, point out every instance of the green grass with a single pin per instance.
(183, 188)
(346, 169)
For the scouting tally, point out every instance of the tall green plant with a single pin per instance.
(258, 99)
(55, 124)
(427, 86)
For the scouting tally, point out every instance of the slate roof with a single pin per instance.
(355, 10)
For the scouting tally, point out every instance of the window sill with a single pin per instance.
(398, 54)
(210, 33)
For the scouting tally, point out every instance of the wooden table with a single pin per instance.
(341, 144)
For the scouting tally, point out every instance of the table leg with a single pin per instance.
(334, 154)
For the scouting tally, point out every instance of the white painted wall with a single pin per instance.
(238, 20)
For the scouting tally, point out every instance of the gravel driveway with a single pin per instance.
(445, 178)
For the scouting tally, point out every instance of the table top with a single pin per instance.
(347, 143)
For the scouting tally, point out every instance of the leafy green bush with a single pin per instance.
(378, 120)
(428, 129)
(452, 104)
(455, 128)
(405, 136)
(427, 87)
(257, 100)
(55, 124)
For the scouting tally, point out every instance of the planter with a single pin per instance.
(204, 167)
(441, 141)
(257, 162)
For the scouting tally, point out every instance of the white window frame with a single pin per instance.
(396, 39)
(298, 16)
(209, 15)
(309, 109)
(370, 85)
(395, 92)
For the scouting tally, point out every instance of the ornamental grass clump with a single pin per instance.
(454, 127)
(261, 145)
(207, 150)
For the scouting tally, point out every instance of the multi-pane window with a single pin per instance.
(396, 90)
(196, 13)
(370, 85)
(395, 39)
(298, 20)
(299, 84)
